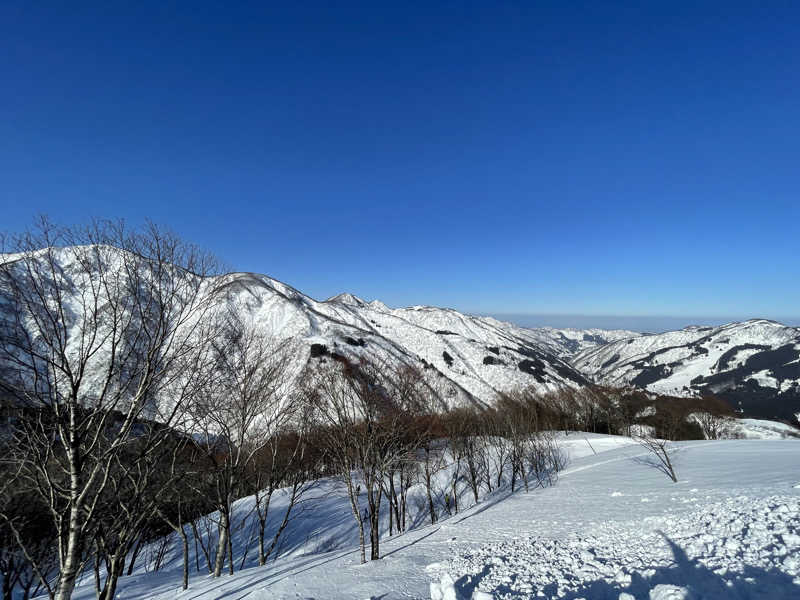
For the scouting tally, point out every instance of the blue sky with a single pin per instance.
(525, 157)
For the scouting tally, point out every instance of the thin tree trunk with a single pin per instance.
(391, 519)
(404, 500)
(375, 552)
(222, 544)
(116, 567)
(374, 523)
(179, 528)
(473, 479)
(524, 476)
(278, 533)
(202, 546)
(135, 554)
(69, 568)
(185, 545)
(357, 514)
(230, 549)
(96, 569)
(431, 506)
(394, 504)
(262, 527)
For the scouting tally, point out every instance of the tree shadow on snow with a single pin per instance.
(653, 462)
(419, 539)
(702, 582)
(496, 498)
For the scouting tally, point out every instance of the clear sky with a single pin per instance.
(500, 157)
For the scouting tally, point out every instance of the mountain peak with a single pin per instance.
(346, 298)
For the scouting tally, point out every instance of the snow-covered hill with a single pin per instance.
(754, 364)
(611, 526)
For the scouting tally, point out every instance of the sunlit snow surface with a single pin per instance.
(611, 525)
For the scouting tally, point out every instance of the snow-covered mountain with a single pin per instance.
(477, 356)
(469, 358)
(754, 364)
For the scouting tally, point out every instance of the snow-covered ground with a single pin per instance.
(612, 525)
(740, 547)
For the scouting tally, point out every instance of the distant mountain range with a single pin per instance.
(754, 364)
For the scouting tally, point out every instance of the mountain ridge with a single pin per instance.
(754, 364)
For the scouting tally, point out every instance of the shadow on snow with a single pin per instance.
(701, 582)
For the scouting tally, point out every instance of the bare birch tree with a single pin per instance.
(98, 324)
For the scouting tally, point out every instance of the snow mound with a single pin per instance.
(742, 547)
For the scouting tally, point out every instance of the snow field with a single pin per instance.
(713, 552)
(596, 534)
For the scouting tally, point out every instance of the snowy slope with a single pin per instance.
(475, 357)
(470, 358)
(730, 528)
(755, 363)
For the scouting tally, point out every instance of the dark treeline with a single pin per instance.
(622, 411)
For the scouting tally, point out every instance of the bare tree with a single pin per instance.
(364, 430)
(286, 461)
(660, 451)
(26, 538)
(533, 453)
(714, 417)
(516, 423)
(238, 414)
(399, 477)
(457, 428)
(544, 458)
(410, 387)
(432, 461)
(177, 504)
(99, 324)
(469, 444)
(499, 456)
(713, 426)
(141, 482)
